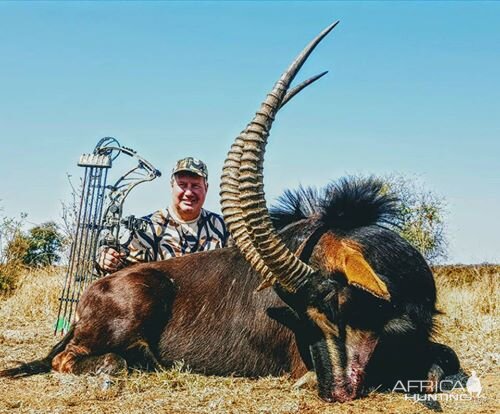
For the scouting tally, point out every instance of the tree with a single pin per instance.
(44, 245)
(13, 243)
(13, 247)
(422, 215)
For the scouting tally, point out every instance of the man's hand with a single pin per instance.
(110, 260)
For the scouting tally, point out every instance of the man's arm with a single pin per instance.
(110, 260)
(137, 249)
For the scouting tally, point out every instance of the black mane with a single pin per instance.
(350, 203)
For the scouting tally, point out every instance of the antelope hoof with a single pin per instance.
(110, 364)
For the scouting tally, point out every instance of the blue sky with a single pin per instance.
(413, 89)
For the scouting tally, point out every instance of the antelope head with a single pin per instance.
(313, 290)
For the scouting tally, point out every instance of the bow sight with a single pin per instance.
(99, 219)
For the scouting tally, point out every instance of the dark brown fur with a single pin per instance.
(190, 309)
(203, 309)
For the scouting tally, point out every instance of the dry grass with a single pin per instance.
(469, 298)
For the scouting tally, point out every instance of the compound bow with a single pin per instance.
(99, 219)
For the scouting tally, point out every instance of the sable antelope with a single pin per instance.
(351, 300)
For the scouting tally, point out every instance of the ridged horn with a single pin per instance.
(270, 250)
(230, 201)
(231, 209)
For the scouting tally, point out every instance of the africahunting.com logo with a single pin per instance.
(444, 390)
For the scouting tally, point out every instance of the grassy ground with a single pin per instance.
(468, 296)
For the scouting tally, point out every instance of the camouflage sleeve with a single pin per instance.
(142, 244)
(219, 228)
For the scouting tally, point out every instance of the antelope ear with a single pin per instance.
(359, 273)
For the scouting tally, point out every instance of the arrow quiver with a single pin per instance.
(99, 219)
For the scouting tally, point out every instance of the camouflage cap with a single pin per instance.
(193, 165)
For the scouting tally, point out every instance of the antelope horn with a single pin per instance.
(294, 91)
(230, 201)
(231, 209)
(289, 270)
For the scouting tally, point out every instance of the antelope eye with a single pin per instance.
(324, 296)
(327, 290)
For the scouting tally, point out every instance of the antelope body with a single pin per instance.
(351, 300)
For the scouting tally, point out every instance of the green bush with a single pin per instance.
(13, 248)
(44, 245)
(19, 251)
(422, 217)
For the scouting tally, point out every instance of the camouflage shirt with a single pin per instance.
(162, 236)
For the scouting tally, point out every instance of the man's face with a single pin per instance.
(188, 194)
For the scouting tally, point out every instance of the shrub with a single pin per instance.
(44, 245)
(422, 215)
(13, 247)
(19, 251)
